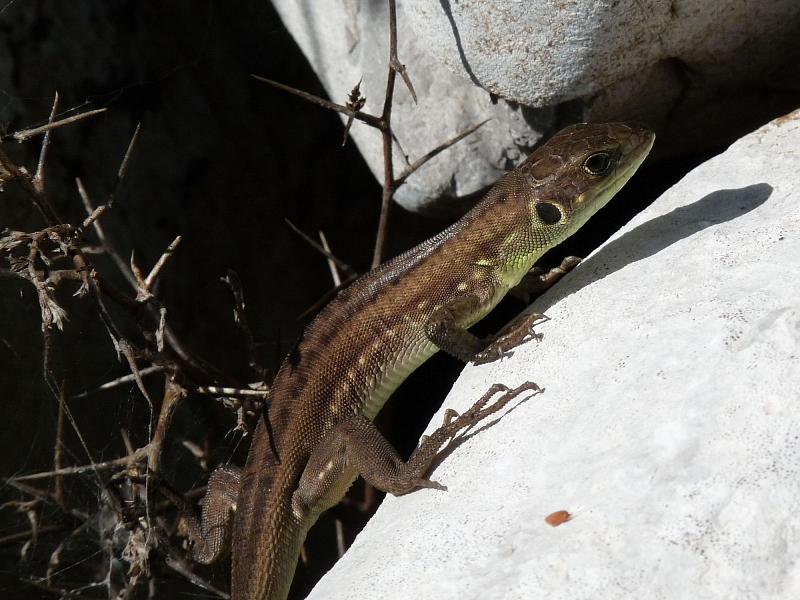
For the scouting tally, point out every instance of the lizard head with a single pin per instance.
(578, 171)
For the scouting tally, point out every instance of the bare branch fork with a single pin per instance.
(34, 257)
(91, 279)
(169, 354)
(384, 124)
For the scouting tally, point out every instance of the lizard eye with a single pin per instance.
(548, 213)
(598, 163)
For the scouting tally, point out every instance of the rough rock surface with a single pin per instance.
(702, 73)
(347, 42)
(668, 427)
(547, 52)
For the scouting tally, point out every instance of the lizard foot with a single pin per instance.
(455, 424)
(429, 484)
(518, 331)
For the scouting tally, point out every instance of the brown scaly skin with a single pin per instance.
(318, 436)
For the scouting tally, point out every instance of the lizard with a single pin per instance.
(317, 433)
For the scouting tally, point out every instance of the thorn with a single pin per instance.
(355, 102)
(401, 70)
(25, 134)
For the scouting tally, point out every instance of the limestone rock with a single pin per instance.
(700, 73)
(667, 428)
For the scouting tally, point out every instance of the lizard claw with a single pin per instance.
(429, 484)
(517, 332)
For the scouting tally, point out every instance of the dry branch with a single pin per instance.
(26, 134)
(382, 123)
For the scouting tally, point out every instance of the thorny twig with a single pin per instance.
(121, 381)
(358, 115)
(144, 286)
(58, 449)
(240, 318)
(386, 136)
(182, 359)
(130, 459)
(355, 102)
(326, 297)
(37, 257)
(383, 123)
(259, 391)
(414, 166)
(25, 134)
(38, 179)
(321, 249)
(335, 275)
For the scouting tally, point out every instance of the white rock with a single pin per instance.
(348, 41)
(669, 427)
(694, 69)
(546, 52)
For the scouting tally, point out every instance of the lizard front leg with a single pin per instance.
(537, 281)
(444, 329)
(357, 444)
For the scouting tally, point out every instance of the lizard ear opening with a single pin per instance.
(548, 213)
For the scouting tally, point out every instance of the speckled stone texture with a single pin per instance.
(701, 73)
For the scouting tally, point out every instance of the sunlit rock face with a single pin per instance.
(701, 73)
(668, 428)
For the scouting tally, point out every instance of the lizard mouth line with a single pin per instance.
(636, 155)
(640, 151)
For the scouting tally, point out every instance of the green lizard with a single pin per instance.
(317, 435)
